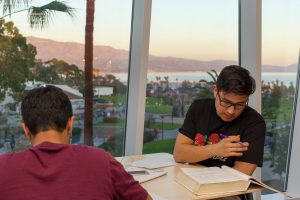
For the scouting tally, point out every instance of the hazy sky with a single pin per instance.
(196, 29)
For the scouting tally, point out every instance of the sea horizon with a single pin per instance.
(179, 77)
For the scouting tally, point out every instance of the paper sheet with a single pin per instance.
(156, 196)
(155, 161)
(148, 177)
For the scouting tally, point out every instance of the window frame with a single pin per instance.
(250, 12)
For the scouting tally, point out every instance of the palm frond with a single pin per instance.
(215, 72)
(9, 6)
(39, 17)
(213, 76)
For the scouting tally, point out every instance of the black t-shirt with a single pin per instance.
(204, 126)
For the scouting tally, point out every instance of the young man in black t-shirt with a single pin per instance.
(224, 130)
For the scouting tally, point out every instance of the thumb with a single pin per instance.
(233, 138)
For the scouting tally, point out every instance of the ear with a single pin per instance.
(27, 133)
(70, 125)
(215, 90)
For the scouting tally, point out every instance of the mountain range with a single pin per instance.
(109, 59)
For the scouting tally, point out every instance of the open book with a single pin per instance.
(214, 180)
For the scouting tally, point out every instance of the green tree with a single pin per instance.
(167, 81)
(16, 60)
(186, 85)
(60, 72)
(14, 44)
(47, 75)
(111, 80)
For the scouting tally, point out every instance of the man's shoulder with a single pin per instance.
(88, 149)
(89, 154)
(12, 158)
(3, 157)
(252, 115)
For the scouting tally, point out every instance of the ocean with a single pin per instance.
(178, 77)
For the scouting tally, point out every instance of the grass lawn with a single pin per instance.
(159, 146)
(119, 99)
(167, 126)
(161, 109)
(118, 123)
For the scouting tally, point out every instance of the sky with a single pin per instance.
(194, 29)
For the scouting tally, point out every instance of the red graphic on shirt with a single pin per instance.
(200, 139)
(214, 138)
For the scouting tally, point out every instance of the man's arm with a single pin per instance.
(246, 168)
(185, 151)
(124, 185)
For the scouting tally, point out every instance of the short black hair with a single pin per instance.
(235, 79)
(46, 108)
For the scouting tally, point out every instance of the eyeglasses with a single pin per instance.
(227, 104)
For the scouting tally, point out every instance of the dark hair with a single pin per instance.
(236, 79)
(46, 108)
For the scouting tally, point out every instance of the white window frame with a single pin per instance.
(250, 52)
(138, 64)
(250, 57)
(293, 178)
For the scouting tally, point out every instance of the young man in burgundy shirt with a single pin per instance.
(52, 168)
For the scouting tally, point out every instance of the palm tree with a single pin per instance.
(214, 75)
(167, 81)
(38, 17)
(88, 66)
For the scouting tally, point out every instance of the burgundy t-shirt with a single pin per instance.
(51, 171)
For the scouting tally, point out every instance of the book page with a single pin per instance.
(253, 180)
(257, 182)
(210, 175)
(155, 161)
(236, 173)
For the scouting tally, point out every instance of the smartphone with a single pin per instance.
(138, 172)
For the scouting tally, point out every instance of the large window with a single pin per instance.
(188, 39)
(280, 51)
(59, 60)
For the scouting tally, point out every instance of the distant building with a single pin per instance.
(70, 92)
(103, 90)
(8, 99)
(74, 95)
(29, 85)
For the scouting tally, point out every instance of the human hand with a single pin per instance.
(231, 146)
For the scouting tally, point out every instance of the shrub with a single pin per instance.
(148, 136)
(110, 119)
(76, 134)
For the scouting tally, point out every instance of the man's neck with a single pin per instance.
(50, 136)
